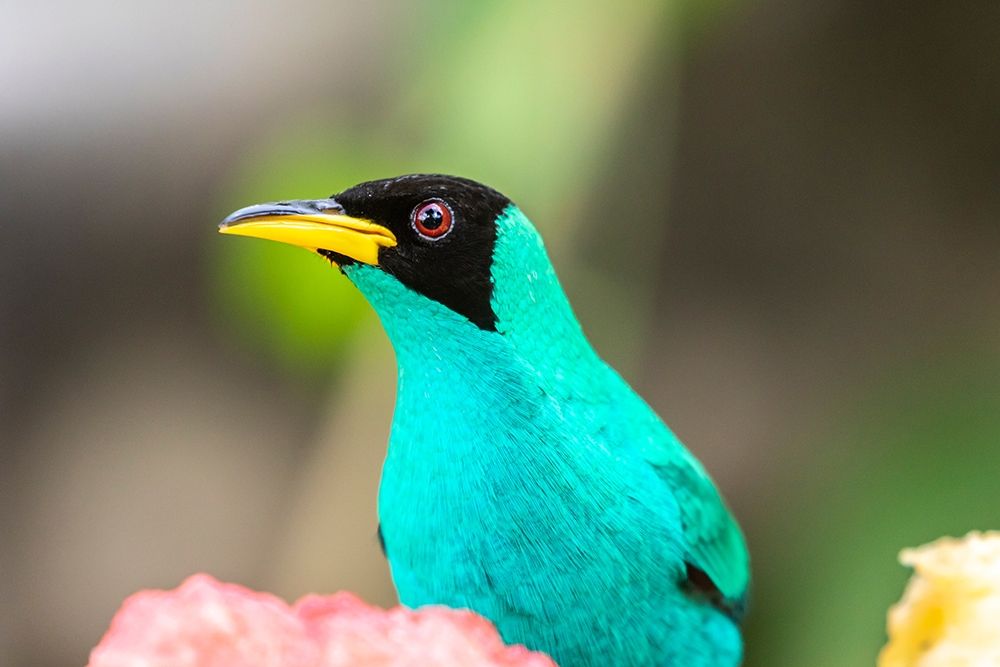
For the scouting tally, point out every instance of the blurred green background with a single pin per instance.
(779, 220)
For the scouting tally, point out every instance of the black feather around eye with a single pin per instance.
(454, 269)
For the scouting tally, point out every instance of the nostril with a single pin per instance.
(328, 205)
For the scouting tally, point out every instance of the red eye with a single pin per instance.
(432, 219)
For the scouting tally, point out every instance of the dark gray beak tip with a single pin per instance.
(301, 207)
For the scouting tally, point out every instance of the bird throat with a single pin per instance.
(534, 322)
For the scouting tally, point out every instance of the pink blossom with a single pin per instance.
(205, 623)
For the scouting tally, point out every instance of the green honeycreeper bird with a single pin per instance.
(524, 480)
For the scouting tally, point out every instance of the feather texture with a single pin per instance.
(525, 480)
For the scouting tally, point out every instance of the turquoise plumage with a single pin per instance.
(525, 479)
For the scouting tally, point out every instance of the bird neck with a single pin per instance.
(536, 329)
(451, 374)
(532, 310)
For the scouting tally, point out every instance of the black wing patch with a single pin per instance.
(381, 541)
(701, 585)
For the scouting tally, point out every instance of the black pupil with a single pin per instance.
(431, 217)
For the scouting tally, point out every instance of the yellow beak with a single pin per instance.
(313, 224)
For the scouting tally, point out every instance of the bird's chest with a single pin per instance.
(503, 506)
(466, 470)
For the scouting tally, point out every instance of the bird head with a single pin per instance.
(435, 235)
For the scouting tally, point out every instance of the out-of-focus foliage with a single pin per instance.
(276, 299)
(915, 457)
(489, 102)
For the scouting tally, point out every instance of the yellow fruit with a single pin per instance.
(950, 612)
